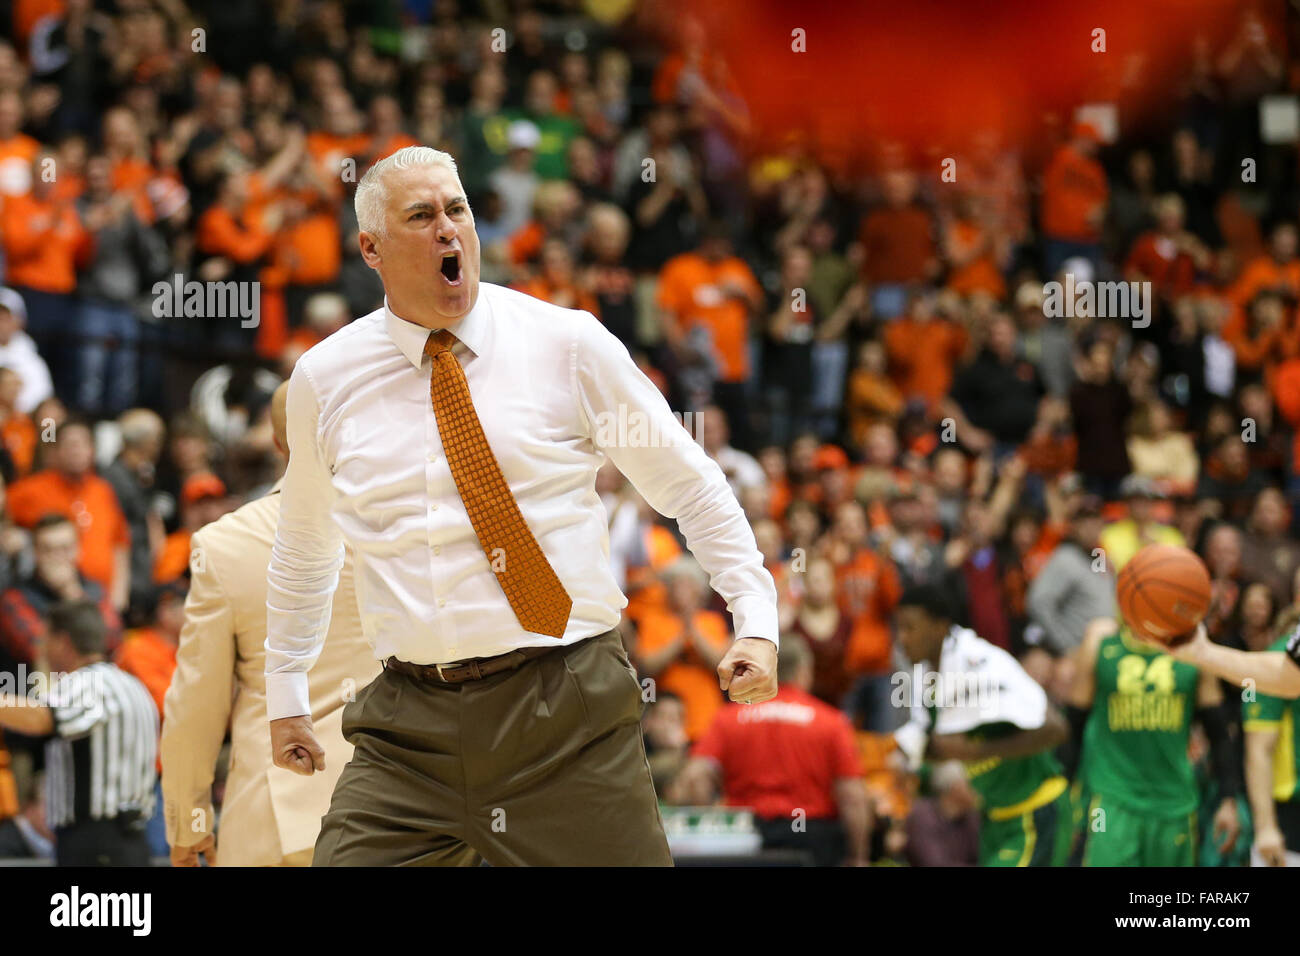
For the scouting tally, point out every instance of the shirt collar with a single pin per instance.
(470, 330)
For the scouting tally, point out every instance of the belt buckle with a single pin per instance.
(442, 677)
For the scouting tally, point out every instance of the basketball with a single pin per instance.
(1163, 593)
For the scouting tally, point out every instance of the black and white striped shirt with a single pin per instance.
(102, 759)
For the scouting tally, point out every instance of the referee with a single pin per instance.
(100, 757)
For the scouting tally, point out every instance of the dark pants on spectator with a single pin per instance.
(120, 841)
(107, 343)
(50, 320)
(823, 840)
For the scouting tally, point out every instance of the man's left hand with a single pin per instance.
(748, 671)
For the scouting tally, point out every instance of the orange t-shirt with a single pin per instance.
(149, 658)
(174, 557)
(922, 356)
(19, 436)
(42, 242)
(1075, 189)
(980, 274)
(314, 244)
(220, 233)
(646, 593)
(688, 677)
(566, 296)
(689, 287)
(1264, 273)
(16, 157)
(868, 589)
(89, 502)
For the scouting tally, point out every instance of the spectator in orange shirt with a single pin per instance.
(308, 243)
(898, 244)
(17, 431)
(203, 501)
(1075, 194)
(680, 649)
(872, 398)
(1278, 270)
(69, 486)
(868, 589)
(924, 348)
(973, 251)
(149, 652)
(17, 150)
(556, 282)
(44, 241)
(712, 289)
(232, 247)
(1264, 333)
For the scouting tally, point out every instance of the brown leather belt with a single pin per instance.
(475, 668)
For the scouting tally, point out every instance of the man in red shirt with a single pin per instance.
(794, 761)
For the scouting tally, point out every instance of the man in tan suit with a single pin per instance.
(271, 816)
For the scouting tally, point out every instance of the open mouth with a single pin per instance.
(451, 268)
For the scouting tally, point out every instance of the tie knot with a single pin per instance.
(439, 341)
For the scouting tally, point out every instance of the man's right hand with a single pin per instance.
(294, 746)
(189, 855)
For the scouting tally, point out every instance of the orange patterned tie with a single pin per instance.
(531, 584)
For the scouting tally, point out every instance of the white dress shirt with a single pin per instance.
(556, 393)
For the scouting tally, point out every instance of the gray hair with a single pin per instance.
(371, 192)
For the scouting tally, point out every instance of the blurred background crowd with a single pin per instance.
(864, 346)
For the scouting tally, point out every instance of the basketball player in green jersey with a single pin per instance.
(1134, 704)
(996, 719)
(1272, 727)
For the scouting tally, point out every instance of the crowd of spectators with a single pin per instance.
(867, 354)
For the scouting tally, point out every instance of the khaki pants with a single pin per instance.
(542, 765)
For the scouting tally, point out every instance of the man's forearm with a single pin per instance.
(1271, 672)
(22, 717)
(855, 815)
(1259, 780)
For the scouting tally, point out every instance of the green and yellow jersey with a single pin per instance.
(1008, 788)
(1135, 741)
(1274, 713)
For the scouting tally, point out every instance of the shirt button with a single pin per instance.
(432, 457)
(442, 602)
(437, 549)
(433, 507)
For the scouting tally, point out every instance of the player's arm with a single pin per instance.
(1223, 756)
(20, 715)
(1276, 673)
(1261, 740)
(1023, 743)
(1083, 689)
(855, 815)
(679, 480)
